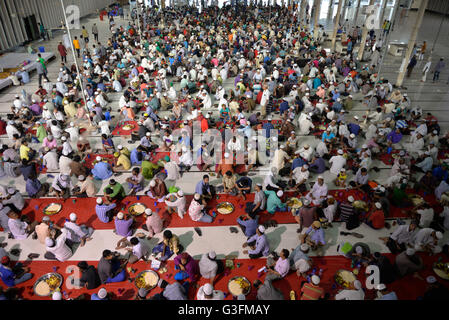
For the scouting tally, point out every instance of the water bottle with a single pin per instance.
(389, 150)
(320, 273)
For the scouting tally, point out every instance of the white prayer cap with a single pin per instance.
(148, 134)
(148, 212)
(152, 183)
(315, 280)
(212, 255)
(102, 293)
(275, 139)
(63, 138)
(226, 155)
(357, 285)
(358, 250)
(208, 289)
(180, 193)
(57, 295)
(304, 247)
(381, 286)
(46, 218)
(302, 265)
(72, 124)
(98, 158)
(120, 215)
(410, 251)
(73, 216)
(280, 193)
(305, 166)
(364, 146)
(439, 235)
(282, 146)
(320, 177)
(431, 279)
(435, 132)
(306, 146)
(306, 202)
(340, 151)
(99, 200)
(120, 147)
(356, 117)
(197, 196)
(351, 199)
(261, 229)
(352, 135)
(49, 242)
(378, 205)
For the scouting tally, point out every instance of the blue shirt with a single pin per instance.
(319, 164)
(261, 244)
(199, 187)
(440, 173)
(250, 225)
(25, 77)
(316, 236)
(101, 209)
(267, 127)
(133, 157)
(389, 296)
(102, 171)
(7, 276)
(283, 106)
(354, 128)
(327, 136)
(298, 162)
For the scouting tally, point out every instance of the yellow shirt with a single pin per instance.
(76, 44)
(125, 152)
(24, 150)
(124, 161)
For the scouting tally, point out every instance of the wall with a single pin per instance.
(440, 6)
(49, 12)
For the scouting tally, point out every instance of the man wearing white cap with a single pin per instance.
(104, 210)
(61, 186)
(427, 240)
(354, 292)
(197, 210)
(300, 261)
(312, 291)
(301, 174)
(318, 192)
(274, 201)
(77, 233)
(258, 244)
(408, 262)
(101, 295)
(59, 249)
(337, 162)
(153, 223)
(210, 266)
(176, 202)
(207, 292)
(383, 294)
(101, 170)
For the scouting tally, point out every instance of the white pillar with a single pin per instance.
(336, 23)
(364, 35)
(316, 18)
(411, 42)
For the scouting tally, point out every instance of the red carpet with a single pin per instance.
(34, 209)
(91, 158)
(119, 131)
(407, 288)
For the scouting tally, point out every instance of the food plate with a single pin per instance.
(345, 278)
(294, 203)
(416, 199)
(147, 279)
(52, 208)
(239, 285)
(47, 284)
(137, 209)
(225, 208)
(441, 269)
(128, 127)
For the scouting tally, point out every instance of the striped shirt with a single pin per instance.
(346, 210)
(102, 209)
(311, 292)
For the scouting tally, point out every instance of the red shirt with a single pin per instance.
(204, 125)
(311, 292)
(377, 219)
(2, 127)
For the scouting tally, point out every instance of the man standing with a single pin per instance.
(438, 68)
(41, 72)
(63, 52)
(95, 32)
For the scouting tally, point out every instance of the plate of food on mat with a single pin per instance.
(441, 269)
(294, 203)
(137, 209)
(416, 199)
(147, 279)
(225, 208)
(345, 278)
(52, 208)
(128, 127)
(47, 284)
(239, 285)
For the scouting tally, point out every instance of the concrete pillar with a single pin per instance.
(382, 11)
(394, 15)
(316, 18)
(329, 9)
(345, 8)
(411, 42)
(336, 23)
(364, 35)
(354, 20)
